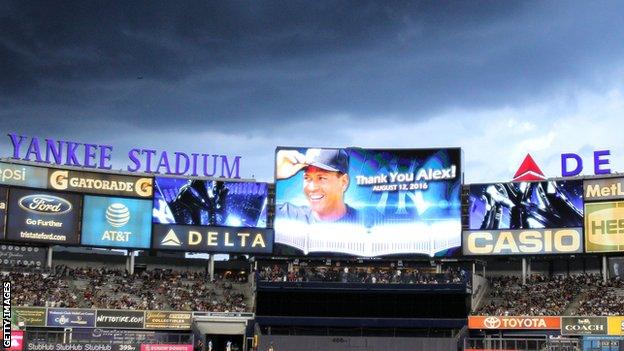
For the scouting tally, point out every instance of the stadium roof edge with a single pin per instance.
(581, 177)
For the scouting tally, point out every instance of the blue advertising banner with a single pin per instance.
(526, 205)
(75, 318)
(369, 202)
(116, 222)
(210, 203)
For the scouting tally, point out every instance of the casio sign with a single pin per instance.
(45, 204)
(536, 241)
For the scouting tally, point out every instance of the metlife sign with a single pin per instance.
(116, 222)
(603, 189)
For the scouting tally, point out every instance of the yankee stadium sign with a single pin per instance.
(97, 156)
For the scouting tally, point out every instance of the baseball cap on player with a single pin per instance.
(335, 160)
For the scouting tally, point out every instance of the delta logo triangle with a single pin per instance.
(528, 171)
(171, 239)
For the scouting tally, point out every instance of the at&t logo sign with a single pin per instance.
(117, 215)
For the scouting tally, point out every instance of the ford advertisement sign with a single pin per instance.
(43, 217)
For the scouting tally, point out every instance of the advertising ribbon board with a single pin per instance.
(71, 318)
(583, 325)
(604, 226)
(166, 347)
(167, 320)
(43, 217)
(100, 183)
(79, 346)
(514, 322)
(120, 319)
(603, 343)
(22, 175)
(117, 336)
(212, 239)
(615, 325)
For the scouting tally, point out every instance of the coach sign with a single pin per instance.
(584, 325)
(514, 322)
(120, 319)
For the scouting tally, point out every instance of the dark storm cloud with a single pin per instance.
(242, 65)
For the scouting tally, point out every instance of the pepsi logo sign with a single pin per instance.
(45, 204)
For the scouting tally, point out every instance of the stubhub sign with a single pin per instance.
(116, 222)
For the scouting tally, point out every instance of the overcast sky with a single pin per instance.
(499, 79)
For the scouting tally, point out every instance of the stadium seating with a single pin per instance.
(583, 295)
(156, 289)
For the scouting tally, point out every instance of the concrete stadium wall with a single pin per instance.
(348, 343)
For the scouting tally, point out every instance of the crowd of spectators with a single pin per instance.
(156, 289)
(543, 296)
(373, 275)
(603, 300)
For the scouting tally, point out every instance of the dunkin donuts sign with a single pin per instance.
(514, 322)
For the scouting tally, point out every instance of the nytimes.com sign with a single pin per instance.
(514, 322)
(523, 242)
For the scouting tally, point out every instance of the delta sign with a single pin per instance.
(572, 164)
